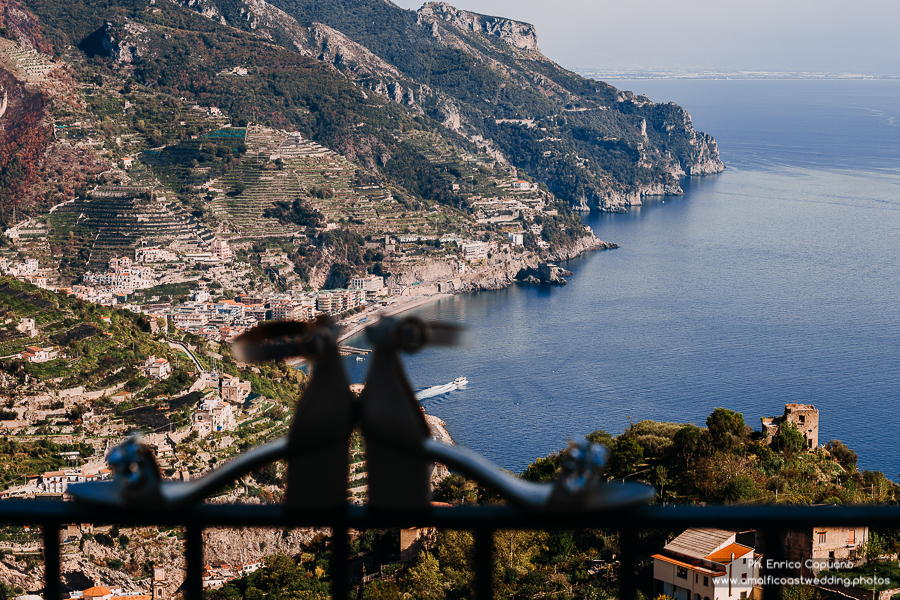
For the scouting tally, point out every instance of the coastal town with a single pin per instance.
(181, 179)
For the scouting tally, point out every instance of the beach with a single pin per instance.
(350, 329)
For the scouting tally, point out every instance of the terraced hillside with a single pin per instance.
(282, 166)
(122, 218)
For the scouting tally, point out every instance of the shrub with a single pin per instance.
(842, 454)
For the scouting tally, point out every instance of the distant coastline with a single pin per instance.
(741, 75)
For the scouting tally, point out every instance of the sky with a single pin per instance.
(858, 36)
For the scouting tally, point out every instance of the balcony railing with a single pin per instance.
(399, 452)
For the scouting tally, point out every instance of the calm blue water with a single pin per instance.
(774, 282)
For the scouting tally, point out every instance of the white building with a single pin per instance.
(57, 482)
(123, 277)
(325, 303)
(157, 367)
(475, 250)
(335, 302)
(221, 250)
(706, 564)
(372, 285)
(27, 326)
(154, 254)
(516, 237)
(213, 415)
(288, 310)
(521, 185)
(29, 266)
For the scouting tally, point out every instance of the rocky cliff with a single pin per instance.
(519, 35)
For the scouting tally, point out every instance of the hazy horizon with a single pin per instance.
(653, 35)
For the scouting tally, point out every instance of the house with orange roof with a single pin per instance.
(97, 592)
(707, 564)
(157, 367)
(36, 354)
(100, 592)
(57, 482)
(523, 185)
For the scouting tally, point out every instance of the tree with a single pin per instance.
(456, 488)
(726, 428)
(845, 457)
(790, 440)
(424, 580)
(739, 489)
(686, 443)
(268, 474)
(544, 469)
(455, 552)
(382, 590)
(282, 577)
(626, 454)
(659, 476)
(561, 544)
(599, 436)
(873, 549)
(515, 549)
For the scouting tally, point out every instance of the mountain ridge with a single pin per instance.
(446, 114)
(501, 52)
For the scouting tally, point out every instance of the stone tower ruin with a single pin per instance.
(804, 416)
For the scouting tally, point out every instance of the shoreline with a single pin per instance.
(394, 309)
(484, 281)
(357, 328)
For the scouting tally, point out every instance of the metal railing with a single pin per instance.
(399, 454)
(483, 521)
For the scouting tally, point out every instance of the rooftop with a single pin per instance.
(700, 543)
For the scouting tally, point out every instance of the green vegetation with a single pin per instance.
(296, 212)
(281, 576)
(92, 352)
(21, 458)
(886, 572)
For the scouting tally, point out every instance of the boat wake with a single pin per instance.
(437, 390)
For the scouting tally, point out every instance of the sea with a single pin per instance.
(776, 281)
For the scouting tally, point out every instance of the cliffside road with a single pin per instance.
(179, 345)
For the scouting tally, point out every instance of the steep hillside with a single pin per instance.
(485, 78)
(383, 121)
(96, 348)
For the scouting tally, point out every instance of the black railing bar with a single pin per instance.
(193, 554)
(484, 563)
(340, 571)
(52, 567)
(628, 563)
(459, 517)
(771, 547)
